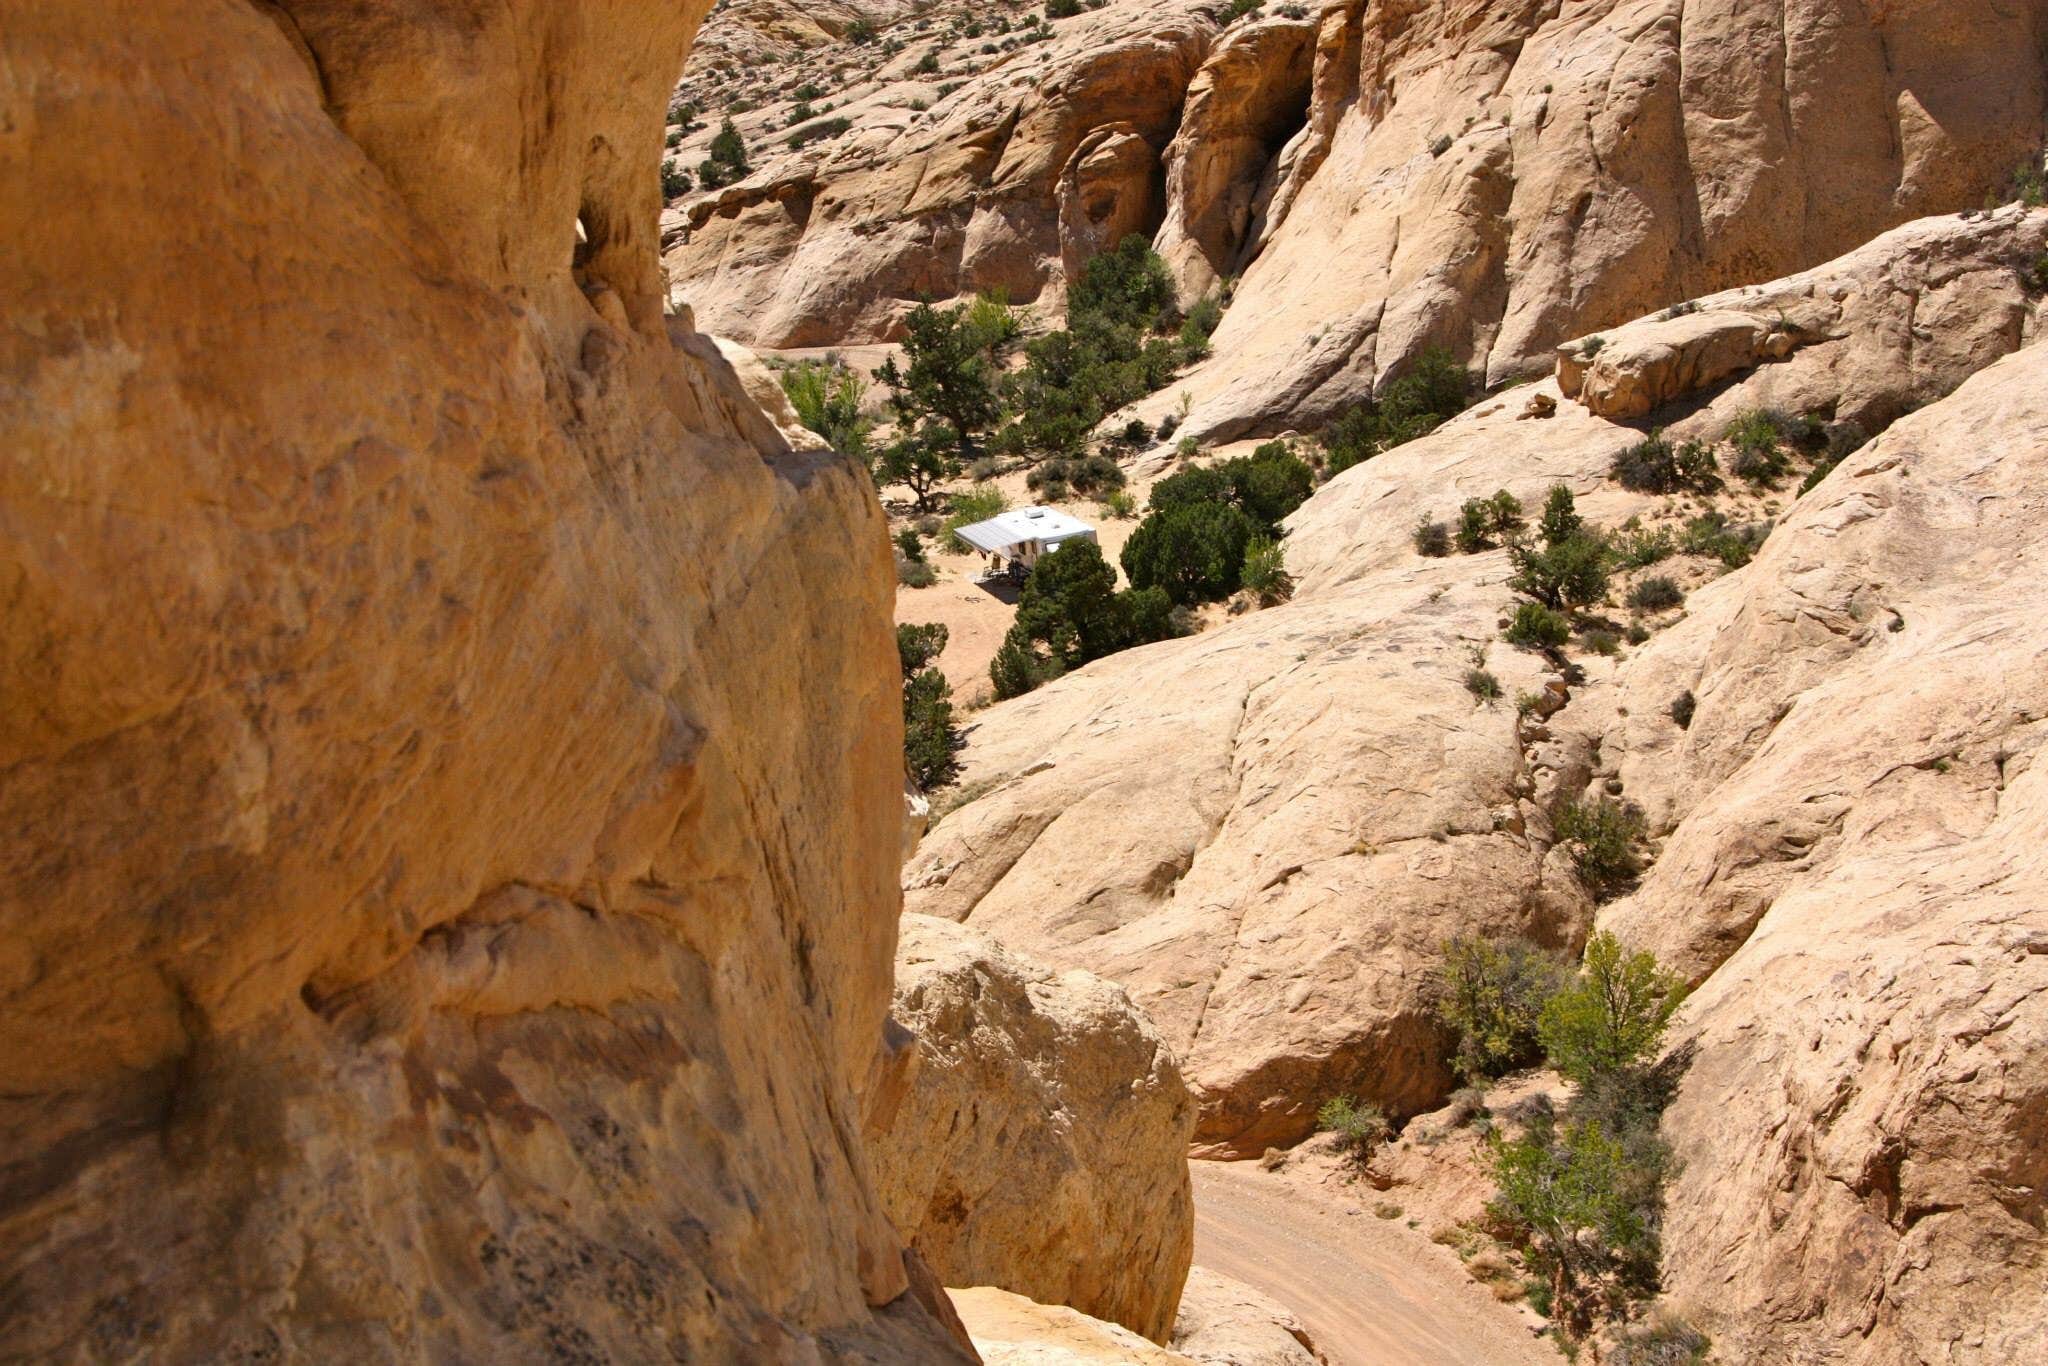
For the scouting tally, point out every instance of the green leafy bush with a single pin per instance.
(1562, 1200)
(1603, 835)
(1536, 627)
(1265, 571)
(1482, 684)
(1360, 1127)
(967, 507)
(1658, 593)
(1434, 390)
(827, 398)
(1636, 548)
(1613, 1017)
(1572, 572)
(1654, 465)
(920, 459)
(727, 161)
(1194, 552)
(1071, 612)
(1490, 996)
(1710, 534)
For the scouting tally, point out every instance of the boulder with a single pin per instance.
(1010, 1330)
(1223, 1322)
(1041, 1145)
(449, 739)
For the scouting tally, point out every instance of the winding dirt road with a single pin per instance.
(1371, 1293)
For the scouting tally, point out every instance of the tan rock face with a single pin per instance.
(1010, 1330)
(1004, 184)
(1267, 830)
(1042, 1143)
(1853, 864)
(426, 670)
(1227, 1323)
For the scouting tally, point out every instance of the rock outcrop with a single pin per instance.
(1010, 1330)
(1041, 1146)
(449, 738)
(1223, 1322)
(1267, 830)
(1852, 829)
(1493, 177)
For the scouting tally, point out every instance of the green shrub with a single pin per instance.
(1710, 534)
(953, 357)
(1434, 390)
(1682, 708)
(1482, 684)
(675, 181)
(929, 738)
(1658, 593)
(1432, 538)
(1758, 438)
(1536, 627)
(1560, 520)
(1119, 505)
(1084, 474)
(1265, 571)
(1562, 1200)
(1603, 836)
(911, 544)
(1636, 548)
(1662, 1339)
(1602, 642)
(1613, 1017)
(1490, 996)
(1360, 1128)
(919, 459)
(1193, 551)
(827, 399)
(817, 132)
(977, 504)
(1070, 612)
(1127, 285)
(1654, 465)
(1568, 573)
(916, 574)
(727, 161)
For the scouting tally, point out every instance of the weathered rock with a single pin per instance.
(1266, 831)
(448, 739)
(1853, 865)
(1042, 1144)
(1003, 184)
(1010, 1330)
(1227, 1323)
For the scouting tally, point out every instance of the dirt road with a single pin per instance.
(1370, 1292)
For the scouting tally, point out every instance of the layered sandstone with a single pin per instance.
(1041, 1146)
(1010, 1330)
(1267, 830)
(1491, 177)
(449, 736)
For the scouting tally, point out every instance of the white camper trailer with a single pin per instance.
(1015, 540)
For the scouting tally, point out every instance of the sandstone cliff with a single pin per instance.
(1494, 177)
(1041, 1144)
(448, 737)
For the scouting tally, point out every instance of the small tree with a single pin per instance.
(1565, 1204)
(727, 161)
(929, 738)
(1602, 835)
(1571, 572)
(919, 460)
(1560, 520)
(1491, 996)
(1614, 1016)
(952, 370)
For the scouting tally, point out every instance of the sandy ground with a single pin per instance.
(1371, 1292)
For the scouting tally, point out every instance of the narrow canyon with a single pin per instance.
(1104, 681)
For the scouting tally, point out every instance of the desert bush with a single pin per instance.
(910, 544)
(1070, 612)
(953, 360)
(1602, 835)
(1087, 474)
(1561, 1202)
(675, 181)
(1490, 997)
(1613, 1017)
(1560, 520)
(1119, 504)
(1265, 571)
(827, 400)
(1194, 552)
(1636, 548)
(1360, 1127)
(1572, 572)
(967, 507)
(1434, 390)
(1432, 538)
(1658, 593)
(1654, 465)
(727, 161)
(1710, 534)
(915, 573)
(1682, 708)
(1482, 685)
(1661, 1339)
(1536, 627)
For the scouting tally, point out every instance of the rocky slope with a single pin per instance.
(1495, 177)
(427, 680)
(1041, 1143)
(1266, 830)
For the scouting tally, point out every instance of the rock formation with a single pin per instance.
(450, 748)
(1492, 177)
(1041, 1144)
(1266, 831)
(1224, 1322)
(1010, 1330)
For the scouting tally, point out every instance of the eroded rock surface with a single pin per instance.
(449, 741)
(1224, 1322)
(1011, 1330)
(1041, 1145)
(1852, 834)
(1267, 830)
